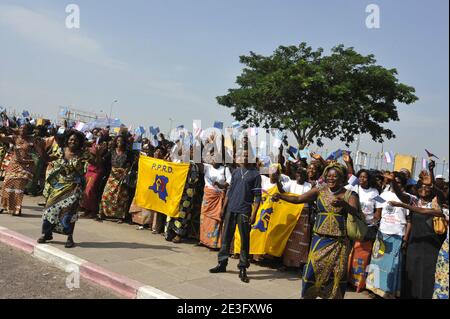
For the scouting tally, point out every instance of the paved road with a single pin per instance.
(22, 276)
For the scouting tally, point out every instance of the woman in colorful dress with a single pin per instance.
(442, 274)
(114, 203)
(360, 256)
(177, 228)
(217, 180)
(423, 244)
(66, 182)
(384, 274)
(325, 274)
(20, 169)
(94, 176)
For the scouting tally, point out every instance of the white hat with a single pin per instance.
(439, 177)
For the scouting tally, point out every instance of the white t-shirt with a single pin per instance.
(393, 219)
(266, 184)
(221, 175)
(368, 205)
(295, 188)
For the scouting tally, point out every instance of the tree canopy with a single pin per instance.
(317, 96)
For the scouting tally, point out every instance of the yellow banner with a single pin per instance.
(273, 226)
(160, 185)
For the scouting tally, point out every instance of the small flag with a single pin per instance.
(218, 125)
(32, 122)
(292, 160)
(424, 163)
(25, 114)
(137, 146)
(140, 131)
(80, 126)
(379, 199)
(154, 131)
(335, 155)
(154, 142)
(61, 130)
(293, 150)
(389, 156)
(64, 112)
(353, 180)
(2, 109)
(236, 124)
(89, 136)
(430, 155)
(305, 153)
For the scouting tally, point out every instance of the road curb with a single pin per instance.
(120, 284)
(56, 257)
(17, 240)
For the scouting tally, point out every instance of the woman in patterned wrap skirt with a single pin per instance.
(325, 274)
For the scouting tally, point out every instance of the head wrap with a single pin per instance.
(340, 169)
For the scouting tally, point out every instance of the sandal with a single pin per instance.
(176, 240)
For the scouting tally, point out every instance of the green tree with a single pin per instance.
(317, 96)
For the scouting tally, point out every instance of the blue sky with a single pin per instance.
(170, 59)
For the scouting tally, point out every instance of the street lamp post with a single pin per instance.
(171, 123)
(110, 109)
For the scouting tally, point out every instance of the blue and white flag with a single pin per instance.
(379, 199)
(137, 146)
(293, 150)
(64, 112)
(140, 131)
(236, 124)
(154, 130)
(305, 153)
(353, 180)
(218, 125)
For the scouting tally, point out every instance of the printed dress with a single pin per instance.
(18, 174)
(65, 189)
(325, 273)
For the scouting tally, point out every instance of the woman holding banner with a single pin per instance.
(217, 181)
(325, 274)
(297, 248)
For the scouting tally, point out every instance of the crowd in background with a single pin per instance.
(404, 254)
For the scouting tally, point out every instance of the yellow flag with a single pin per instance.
(160, 185)
(273, 226)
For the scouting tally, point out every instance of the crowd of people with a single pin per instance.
(404, 253)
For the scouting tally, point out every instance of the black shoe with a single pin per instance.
(44, 239)
(218, 269)
(243, 275)
(69, 242)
